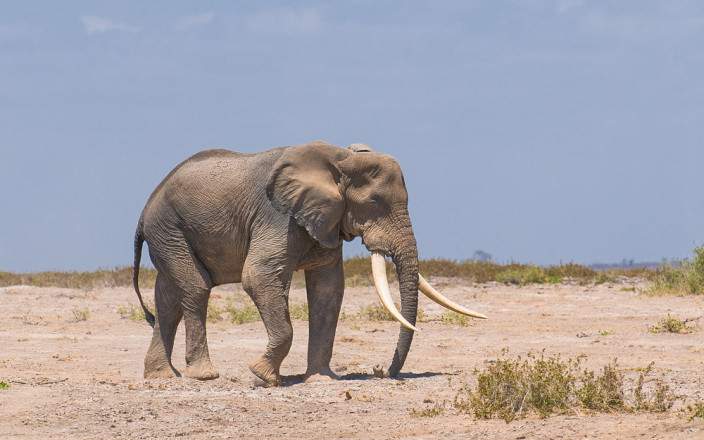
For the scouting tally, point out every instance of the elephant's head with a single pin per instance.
(336, 193)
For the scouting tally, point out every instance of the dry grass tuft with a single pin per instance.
(80, 314)
(433, 410)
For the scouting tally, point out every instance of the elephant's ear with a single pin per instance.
(304, 184)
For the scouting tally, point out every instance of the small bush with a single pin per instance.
(671, 324)
(659, 401)
(512, 388)
(80, 314)
(696, 411)
(242, 315)
(602, 392)
(4, 385)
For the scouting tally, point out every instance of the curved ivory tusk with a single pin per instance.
(433, 294)
(382, 289)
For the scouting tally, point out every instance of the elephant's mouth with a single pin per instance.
(382, 289)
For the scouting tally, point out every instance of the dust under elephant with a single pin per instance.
(225, 217)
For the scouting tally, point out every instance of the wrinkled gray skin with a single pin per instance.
(224, 217)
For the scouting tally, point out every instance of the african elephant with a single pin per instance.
(225, 217)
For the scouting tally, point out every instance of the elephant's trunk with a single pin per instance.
(405, 256)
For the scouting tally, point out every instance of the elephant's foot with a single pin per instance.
(266, 371)
(202, 371)
(320, 375)
(163, 372)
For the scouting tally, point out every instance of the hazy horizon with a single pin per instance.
(539, 131)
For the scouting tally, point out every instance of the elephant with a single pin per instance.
(226, 217)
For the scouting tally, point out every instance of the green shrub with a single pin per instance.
(4, 385)
(602, 392)
(512, 388)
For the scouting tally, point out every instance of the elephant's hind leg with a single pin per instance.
(195, 310)
(157, 363)
(191, 283)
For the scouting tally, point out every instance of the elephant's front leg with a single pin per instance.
(268, 287)
(325, 287)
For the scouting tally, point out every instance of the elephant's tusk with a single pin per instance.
(382, 289)
(433, 294)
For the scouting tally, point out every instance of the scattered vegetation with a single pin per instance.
(299, 311)
(117, 277)
(545, 385)
(214, 312)
(4, 385)
(374, 313)
(242, 315)
(80, 314)
(357, 273)
(683, 278)
(132, 312)
(454, 318)
(671, 324)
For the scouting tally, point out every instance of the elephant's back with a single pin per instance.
(211, 185)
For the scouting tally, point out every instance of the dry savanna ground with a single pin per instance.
(71, 365)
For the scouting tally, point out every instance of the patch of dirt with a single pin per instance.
(84, 379)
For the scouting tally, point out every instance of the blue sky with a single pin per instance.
(538, 130)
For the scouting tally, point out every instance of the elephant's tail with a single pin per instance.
(138, 241)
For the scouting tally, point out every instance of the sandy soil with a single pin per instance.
(83, 379)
